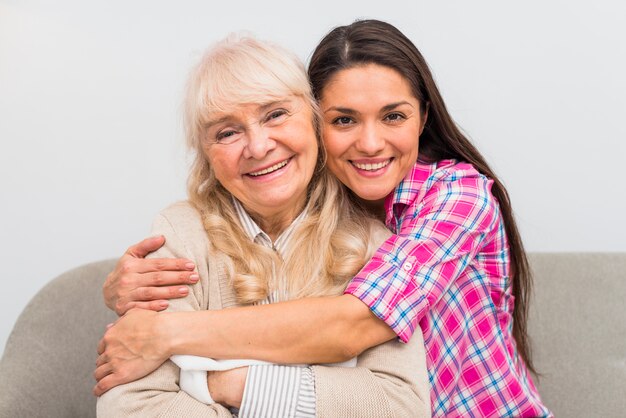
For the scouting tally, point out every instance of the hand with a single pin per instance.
(147, 283)
(226, 387)
(132, 347)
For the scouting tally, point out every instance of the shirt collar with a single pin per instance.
(258, 236)
(408, 190)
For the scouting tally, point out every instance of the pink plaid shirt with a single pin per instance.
(447, 268)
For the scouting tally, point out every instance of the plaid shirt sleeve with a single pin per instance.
(438, 233)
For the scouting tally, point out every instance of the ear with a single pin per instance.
(424, 117)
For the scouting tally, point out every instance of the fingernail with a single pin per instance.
(183, 289)
(109, 325)
(194, 278)
(164, 304)
(190, 266)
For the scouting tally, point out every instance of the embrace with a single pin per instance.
(344, 251)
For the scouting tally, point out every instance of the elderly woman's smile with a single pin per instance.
(269, 170)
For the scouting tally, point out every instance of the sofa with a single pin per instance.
(577, 324)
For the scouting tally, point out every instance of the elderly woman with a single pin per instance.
(259, 199)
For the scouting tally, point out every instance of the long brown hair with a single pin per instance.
(373, 41)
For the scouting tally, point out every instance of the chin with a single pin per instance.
(369, 194)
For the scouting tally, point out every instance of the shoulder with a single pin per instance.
(181, 212)
(459, 192)
(445, 176)
(460, 180)
(183, 222)
(180, 216)
(456, 171)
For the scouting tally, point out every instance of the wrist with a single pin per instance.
(191, 333)
(214, 387)
(170, 332)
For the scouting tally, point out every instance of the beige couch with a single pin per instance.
(578, 327)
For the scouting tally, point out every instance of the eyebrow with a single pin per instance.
(349, 111)
(262, 108)
(392, 106)
(213, 122)
(266, 106)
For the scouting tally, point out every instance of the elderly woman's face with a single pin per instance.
(264, 155)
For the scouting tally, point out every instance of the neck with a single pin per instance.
(375, 208)
(274, 224)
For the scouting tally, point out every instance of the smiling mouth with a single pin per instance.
(271, 169)
(371, 167)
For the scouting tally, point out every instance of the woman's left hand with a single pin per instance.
(132, 347)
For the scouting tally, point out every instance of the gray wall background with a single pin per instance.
(91, 141)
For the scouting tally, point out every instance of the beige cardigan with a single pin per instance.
(390, 380)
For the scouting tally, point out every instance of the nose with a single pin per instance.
(259, 143)
(371, 140)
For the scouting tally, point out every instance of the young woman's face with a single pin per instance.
(372, 124)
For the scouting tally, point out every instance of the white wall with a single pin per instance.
(91, 140)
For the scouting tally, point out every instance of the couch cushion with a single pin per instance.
(578, 330)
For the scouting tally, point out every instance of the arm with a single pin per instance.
(279, 332)
(438, 236)
(432, 249)
(393, 375)
(389, 380)
(158, 393)
(142, 340)
(441, 234)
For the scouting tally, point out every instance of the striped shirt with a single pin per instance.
(275, 390)
(446, 269)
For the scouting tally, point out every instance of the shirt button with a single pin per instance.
(407, 266)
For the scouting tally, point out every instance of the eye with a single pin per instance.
(276, 115)
(395, 117)
(343, 121)
(227, 136)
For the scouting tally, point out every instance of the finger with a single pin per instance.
(167, 278)
(101, 346)
(153, 305)
(102, 359)
(102, 371)
(171, 264)
(129, 265)
(145, 247)
(144, 294)
(107, 382)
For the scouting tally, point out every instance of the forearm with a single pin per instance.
(393, 375)
(156, 395)
(313, 330)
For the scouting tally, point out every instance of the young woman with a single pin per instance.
(257, 197)
(455, 266)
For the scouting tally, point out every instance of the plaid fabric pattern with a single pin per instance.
(446, 269)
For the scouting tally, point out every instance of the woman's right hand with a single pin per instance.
(137, 282)
(131, 348)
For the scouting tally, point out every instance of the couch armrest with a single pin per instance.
(49, 359)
